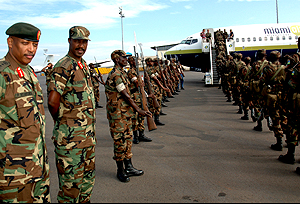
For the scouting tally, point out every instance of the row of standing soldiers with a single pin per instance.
(270, 89)
(162, 80)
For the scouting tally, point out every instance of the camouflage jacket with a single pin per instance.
(132, 76)
(94, 75)
(23, 153)
(75, 126)
(116, 105)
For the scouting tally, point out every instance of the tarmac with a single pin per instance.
(205, 153)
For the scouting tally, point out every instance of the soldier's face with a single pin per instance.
(77, 47)
(22, 50)
(123, 61)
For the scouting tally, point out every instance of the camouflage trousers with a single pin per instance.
(96, 93)
(76, 174)
(121, 132)
(138, 122)
(37, 192)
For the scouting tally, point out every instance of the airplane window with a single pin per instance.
(277, 38)
(283, 37)
(266, 38)
(271, 38)
(254, 39)
(260, 39)
(188, 42)
(237, 39)
(290, 37)
(296, 37)
(194, 41)
(243, 39)
(248, 39)
(183, 42)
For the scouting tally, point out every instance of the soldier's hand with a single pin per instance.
(167, 89)
(146, 113)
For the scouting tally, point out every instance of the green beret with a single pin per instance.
(79, 32)
(24, 31)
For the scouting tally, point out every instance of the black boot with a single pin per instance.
(121, 175)
(229, 99)
(259, 126)
(298, 170)
(98, 106)
(135, 137)
(254, 119)
(162, 113)
(156, 120)
(163, 105)
(245, 117)
(130, 170)
(240, 111)
(289, 158)
(143, 138)
(278, 145)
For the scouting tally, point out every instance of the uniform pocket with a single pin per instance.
(25, 109)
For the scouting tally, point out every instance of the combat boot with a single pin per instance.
(156, 120)
(298, 170)
(98, 106)
(259, 126)
(135, 137)
(229, 99)
(163, 105)
(246, 116)
(130, 170)
(289, 157)
(240, 111)
(278, 145)
(143, 138)
(121, 175)
(162, 113)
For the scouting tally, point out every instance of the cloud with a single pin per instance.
(65, 13)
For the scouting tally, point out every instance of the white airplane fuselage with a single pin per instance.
(247, 40)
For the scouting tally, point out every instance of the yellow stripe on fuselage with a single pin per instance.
(176, 52)
(271, 47)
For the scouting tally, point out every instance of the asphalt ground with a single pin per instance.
(204, 153)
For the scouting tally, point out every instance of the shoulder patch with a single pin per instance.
(66, 62)
(3, 65)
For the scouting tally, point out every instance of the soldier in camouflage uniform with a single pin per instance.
(272, 81)
(96, 82)
(71, 103)
(24, 163)
(293, 105)
(138, 121)
(120, 109)
(237, 89)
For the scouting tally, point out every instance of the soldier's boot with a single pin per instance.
(143, 138)
(254, 119)
(130, 170)
(98, 106)
(229, 98)
(121, 175)
(298, 170)
(289, 157)
(163, 104)
(162, 113)
(135, 137)
(240, 111)
(278, 145)
(156, 120)
(269, 123)
(246, 116)
(165, 99)
(258, 127)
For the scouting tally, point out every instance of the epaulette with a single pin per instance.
(65, 63)
(3, 65)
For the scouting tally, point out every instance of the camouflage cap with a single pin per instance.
(24, 31)
(79, 32)
(148, 59)
(131, 58)
(118, 53)
(275, 54)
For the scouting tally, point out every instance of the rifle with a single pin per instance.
(97, 65)
(169, 94)
(148, 82)
(150, 122)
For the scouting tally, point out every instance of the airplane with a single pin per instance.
(194, 53)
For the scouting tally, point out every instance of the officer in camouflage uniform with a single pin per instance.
(272, 81)
(96, 82)
(138, 121)
(24, 167)
(71, 103)
(120, 109)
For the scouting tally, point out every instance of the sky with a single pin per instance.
(153, 22)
